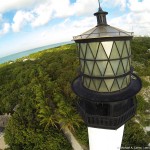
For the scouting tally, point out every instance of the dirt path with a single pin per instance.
(75, 144)
(2, 142)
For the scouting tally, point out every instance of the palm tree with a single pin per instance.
(67, 116)
(47, 117)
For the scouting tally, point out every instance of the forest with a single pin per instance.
(38, 95)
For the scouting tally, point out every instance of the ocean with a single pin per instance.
(15, 56)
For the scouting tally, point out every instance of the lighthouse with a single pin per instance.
(106, 86)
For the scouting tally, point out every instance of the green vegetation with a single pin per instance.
(39, 97)
(134, 135)
(38, 94)
(140, 55)
(81, 134)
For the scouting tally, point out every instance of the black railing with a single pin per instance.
(106, 121)
(103, 34)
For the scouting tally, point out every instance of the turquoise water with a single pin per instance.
(13, 57)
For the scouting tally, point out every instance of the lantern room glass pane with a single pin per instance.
(114, 52)
(94, 47)
(89, 67)
(107, 47)
(128, 79)
(125, 51)
(82, 65)
(114, 86)
(125, 62)
(128, 66)
(115, 64)
(120, 46)
(124, 83)
(102, 66)
(130, 61)
(92, 85)
(120, 81)
(82, 50)
(97, 83)
(109, 83)
(103, 87)
(128, 47)
(86, 69)
(101, 54)
(109, 71)
(96, 71)
(120, 70)
(89, 53)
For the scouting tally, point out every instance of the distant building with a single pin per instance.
(10, 62)
(25, 59)
(3, 120)
(28, 59)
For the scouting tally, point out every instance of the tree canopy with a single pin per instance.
(38, 95)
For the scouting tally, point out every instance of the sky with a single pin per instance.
(27, 24)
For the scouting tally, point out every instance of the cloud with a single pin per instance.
(137, 19)
(61, 32)
(122, 4)
(85, 7)
(39, 16)
(62, 9)
(134, 22)
(42, 15)
(48, 10)
(75, 19)
(1, 17)
(8, 5)
(37, 13)
(20, 19)
(139, 7)
(80, 7)
(5, 28)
